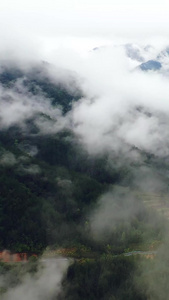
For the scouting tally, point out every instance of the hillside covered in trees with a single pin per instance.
(49, 183)
(55, 194)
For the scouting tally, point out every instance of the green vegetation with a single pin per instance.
(105, 278)
(50, 188)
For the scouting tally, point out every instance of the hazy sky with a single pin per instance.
(51, 22)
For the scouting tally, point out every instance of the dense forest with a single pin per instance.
(51, 189)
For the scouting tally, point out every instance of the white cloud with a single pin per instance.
(122, 107)
(46, 284)
(57, 32)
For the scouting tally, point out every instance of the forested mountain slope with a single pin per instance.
(49, 183)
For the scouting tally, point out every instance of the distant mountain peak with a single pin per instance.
(152, 65)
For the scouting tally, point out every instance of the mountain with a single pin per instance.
(151, 65)
(97, 209)
(146, 58)
(48, 182)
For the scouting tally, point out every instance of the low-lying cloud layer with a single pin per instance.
(122, 107)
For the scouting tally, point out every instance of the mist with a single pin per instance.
(122, 107)
(45, 283)
(95, 51)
